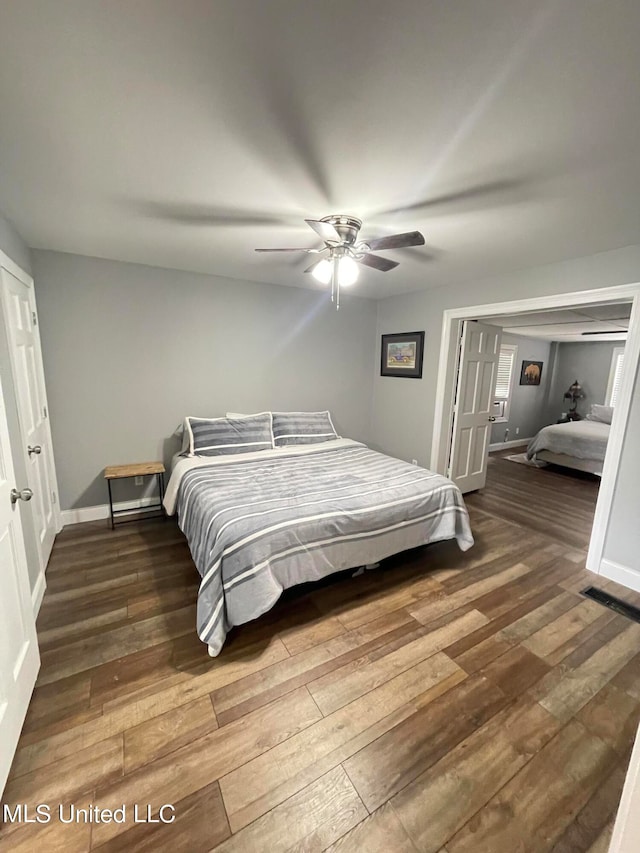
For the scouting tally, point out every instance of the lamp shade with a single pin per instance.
(348, 271)
(575, 392)
(323, 271)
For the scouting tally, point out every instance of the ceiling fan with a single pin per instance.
(345, 251)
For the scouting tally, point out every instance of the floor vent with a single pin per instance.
(612, 603)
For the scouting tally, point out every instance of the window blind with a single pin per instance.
(505, 371)
(617, 376)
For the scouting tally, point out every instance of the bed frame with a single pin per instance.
(592, 466)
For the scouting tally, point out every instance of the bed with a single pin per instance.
(263, 521)
(577, 444)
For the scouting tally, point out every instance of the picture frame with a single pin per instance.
(531, 372)
(401, 355)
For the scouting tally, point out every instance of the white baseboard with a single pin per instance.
(96, 513)
(620, 574)
(505, 445)
(37, 594)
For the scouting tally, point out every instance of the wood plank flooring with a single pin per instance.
(445, 702)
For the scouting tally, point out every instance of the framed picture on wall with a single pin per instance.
(401, 355)
(531, 372)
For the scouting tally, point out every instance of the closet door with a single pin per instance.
(19, 657)
(18, 303)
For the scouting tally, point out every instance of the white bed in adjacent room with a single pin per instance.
(576, 444)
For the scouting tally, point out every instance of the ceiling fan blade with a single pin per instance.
(311, 251)
(478, 197)
(397, 241)
(324, 230)
(377, 262)
(206, 215)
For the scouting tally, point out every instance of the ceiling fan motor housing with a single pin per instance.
(346, 226)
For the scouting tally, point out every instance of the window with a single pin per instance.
(615, 375)
(504, 382)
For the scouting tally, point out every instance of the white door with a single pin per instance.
(28, 375)
(472, 414)
(19, 657)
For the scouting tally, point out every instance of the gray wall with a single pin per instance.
(528, 410)
(129, 350)
(12, 244)
(589, 363)
(403, 410)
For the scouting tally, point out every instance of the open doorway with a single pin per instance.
(610, 313)
(558, 368)
(556, 383)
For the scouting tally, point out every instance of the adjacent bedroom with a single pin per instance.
(319, 426)
(557, 382)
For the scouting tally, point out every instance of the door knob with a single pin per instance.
(37, 449)
(491, 418)
(22, 495)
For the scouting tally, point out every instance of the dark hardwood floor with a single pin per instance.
(445, 702)
(555, 501)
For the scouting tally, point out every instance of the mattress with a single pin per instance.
(580, 439)
(591, 466)
(269, 520)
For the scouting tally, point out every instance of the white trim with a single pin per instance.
(626, 830)
(620, 574)
(505, 445)
(12, 267)
(223, 447)
(616, 439)
(446, 373)
(97, 513)
(37, 594)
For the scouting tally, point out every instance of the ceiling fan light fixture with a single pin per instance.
(347, 272)
(322, 271)
(340, 237)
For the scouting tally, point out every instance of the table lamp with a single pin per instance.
(574, 394)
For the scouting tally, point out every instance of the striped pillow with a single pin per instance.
(302, 428)
(219, 436)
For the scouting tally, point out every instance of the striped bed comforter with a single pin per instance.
(274, 519)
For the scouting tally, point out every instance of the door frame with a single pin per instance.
(626, 829)
(447, 383)
(10, 266)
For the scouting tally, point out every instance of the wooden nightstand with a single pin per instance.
(137, 469)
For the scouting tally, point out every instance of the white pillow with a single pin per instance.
(601, 414)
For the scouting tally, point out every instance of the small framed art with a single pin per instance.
(531, 372)
(401, 355)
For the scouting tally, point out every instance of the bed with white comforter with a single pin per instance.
(260, 522)
(580, 441)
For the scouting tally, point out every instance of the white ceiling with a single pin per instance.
(591, 323)
(184, 133)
